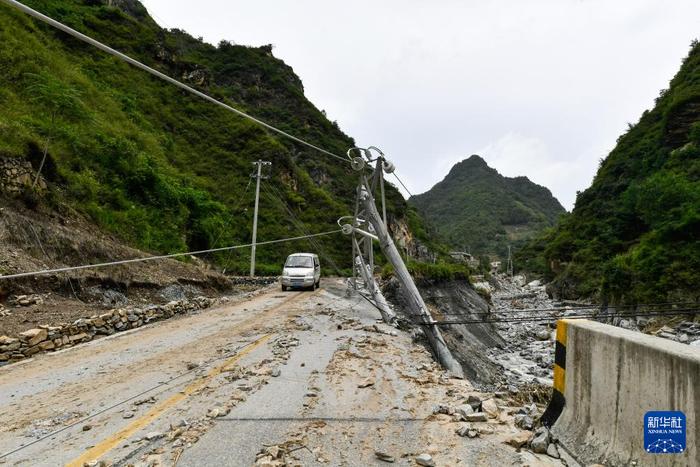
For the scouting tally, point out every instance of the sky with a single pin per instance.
(541, 88)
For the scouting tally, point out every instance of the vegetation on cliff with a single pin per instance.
(634, 235)
(161, 169)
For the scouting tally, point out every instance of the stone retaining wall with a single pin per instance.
(49, 338)
(16, 174)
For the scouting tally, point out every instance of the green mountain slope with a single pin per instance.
(634, 235)
(476, 207)
(161, 169)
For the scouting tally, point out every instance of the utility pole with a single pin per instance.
(509, 267)
(259, 165)
(369, 225)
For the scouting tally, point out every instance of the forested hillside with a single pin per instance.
(159, 168)
(475, 207)
(634, 235)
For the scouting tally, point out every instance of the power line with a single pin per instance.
(577, 308)
(402, 184)
(153, 258)
(124, 401)
(158, 74)
(277, 196)
(535, 319)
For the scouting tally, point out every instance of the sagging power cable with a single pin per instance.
(613, 308)
(154, 258)
(542, 319)
(121, 56)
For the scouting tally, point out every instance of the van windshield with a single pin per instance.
(299, 262)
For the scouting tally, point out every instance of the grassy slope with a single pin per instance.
(634, 234)
(477, 207)
(162, 169)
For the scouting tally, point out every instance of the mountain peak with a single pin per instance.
(476, 206)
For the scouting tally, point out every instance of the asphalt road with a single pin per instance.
(307, 378)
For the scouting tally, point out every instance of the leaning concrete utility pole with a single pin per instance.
(374, 221)
(259, 165)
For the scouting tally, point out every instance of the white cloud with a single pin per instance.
(433, 82)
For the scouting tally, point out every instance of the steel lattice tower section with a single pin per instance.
(367, 226)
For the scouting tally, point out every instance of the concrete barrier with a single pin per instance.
(610, 378)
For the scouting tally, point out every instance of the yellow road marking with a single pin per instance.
(156, 411)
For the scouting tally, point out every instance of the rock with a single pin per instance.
(519, 440)
(31, 351)
(540, 442)
(275, 372)
(524, 421)
(543, 335)
(490, 407)
(47, 345)
(34, 336)
(154, 435)
(425, 460)
(552, 451)
(443, 409)
(474, 401)
(87, 427)
(476, 417)
(464, 410)
(467, 431)
(128, 414)
(384, 457)
(78, 337)
(5, 340)
(683, 338)
(366, 383)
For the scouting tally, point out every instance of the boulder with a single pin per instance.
(34, 336)
(524, 421)
(490, 407)
(519, 440)
(474, 401)
(540, 442)
(464, 410)
(543, 335)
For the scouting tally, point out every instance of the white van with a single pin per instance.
(301, 270)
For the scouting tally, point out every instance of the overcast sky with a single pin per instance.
(540, 88)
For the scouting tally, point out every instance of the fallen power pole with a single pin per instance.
(368, 224)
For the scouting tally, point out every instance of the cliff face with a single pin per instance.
(475, 207)
(160, 169)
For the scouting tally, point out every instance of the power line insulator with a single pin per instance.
(357, 163)
(388, 167)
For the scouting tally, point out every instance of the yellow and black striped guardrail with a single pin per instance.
(556, 405)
